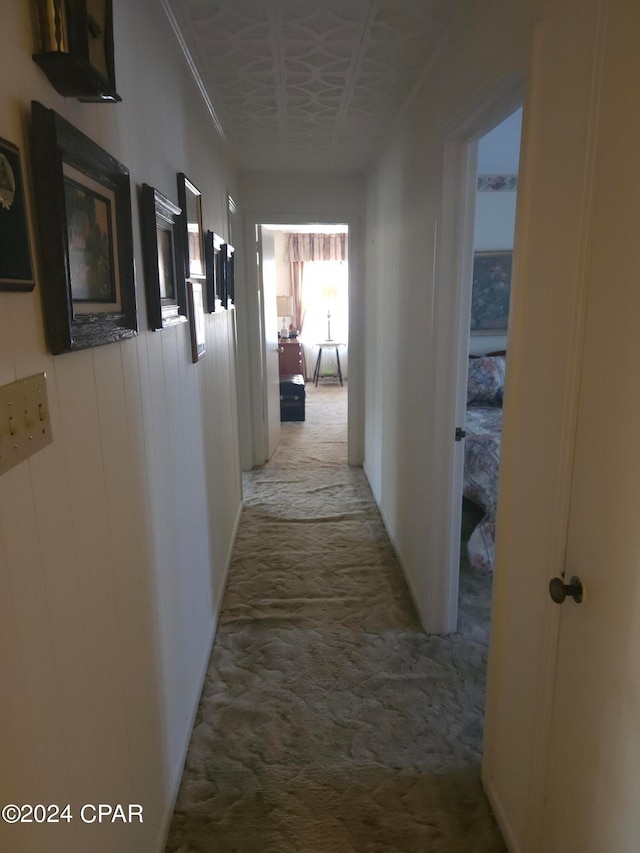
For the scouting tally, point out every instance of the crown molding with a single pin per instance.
(191, 64)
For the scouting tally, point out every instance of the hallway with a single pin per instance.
(328, 720)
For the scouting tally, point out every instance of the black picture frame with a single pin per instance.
(76, 48)
(88, 284)
(212, 244)
(195, 300)
(16, 265)
(162, 257)
(491, 292)
(227, 275)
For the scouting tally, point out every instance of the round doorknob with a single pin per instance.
(559, 590)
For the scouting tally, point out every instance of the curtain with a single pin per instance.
(304, 248)
(297, 268)
(316, 247)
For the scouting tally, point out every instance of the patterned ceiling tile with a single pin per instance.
(310, 84)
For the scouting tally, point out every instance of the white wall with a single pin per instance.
(495, 214)
(404, 203)
(283, 277)
(114, 540)
(279, 198)
(499, 149)
(498, 154)
(495, 221)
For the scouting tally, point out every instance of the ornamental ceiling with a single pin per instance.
(309, 84)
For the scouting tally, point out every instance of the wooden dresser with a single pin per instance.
(292, 387)
(290, 358)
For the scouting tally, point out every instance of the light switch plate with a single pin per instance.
(24, 420)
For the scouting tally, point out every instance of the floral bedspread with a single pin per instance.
(481, 464)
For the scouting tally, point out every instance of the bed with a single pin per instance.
(485, 387)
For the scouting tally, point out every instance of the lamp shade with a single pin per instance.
(285, 306)
(329, 293)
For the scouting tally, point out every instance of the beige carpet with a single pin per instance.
(329, 722)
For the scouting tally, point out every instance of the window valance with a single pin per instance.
(316, 247)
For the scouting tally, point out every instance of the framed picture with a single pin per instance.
(83, 205)
(490, 293)
(76, 48)
(195, 299)
(16, 270)
(227, 285)
(162, 259)
(212, 245)
(190, 200)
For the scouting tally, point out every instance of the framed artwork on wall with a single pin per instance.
(195, 299)
(83, 206)
(190, 201)
(162, 258)
(491, 292)
(227, 281)
(76, 48)
(212, 245)
(16, 269)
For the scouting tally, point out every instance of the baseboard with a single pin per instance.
(373, 491)
(175, 783)
(232, 543)
(501, 817)
(398, 553)
(408, 579)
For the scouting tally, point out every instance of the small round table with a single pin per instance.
(327, 345)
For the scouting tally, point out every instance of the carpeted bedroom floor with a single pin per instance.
(329, 722)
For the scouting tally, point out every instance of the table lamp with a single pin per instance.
(285, 309)
(329, 295)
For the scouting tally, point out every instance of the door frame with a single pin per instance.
(452, 312)
(251, 338)
(270, 407)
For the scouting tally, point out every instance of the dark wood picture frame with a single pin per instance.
(190, 201)
(162, 256)
(16, 264)
(212, 244)
(86, 258)
(195, 299)
(76, 49)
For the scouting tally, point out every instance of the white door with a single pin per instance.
(271, 352)
(593, 790)
(562, 735)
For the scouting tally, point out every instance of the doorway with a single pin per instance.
(304, 293)
(495, 190)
